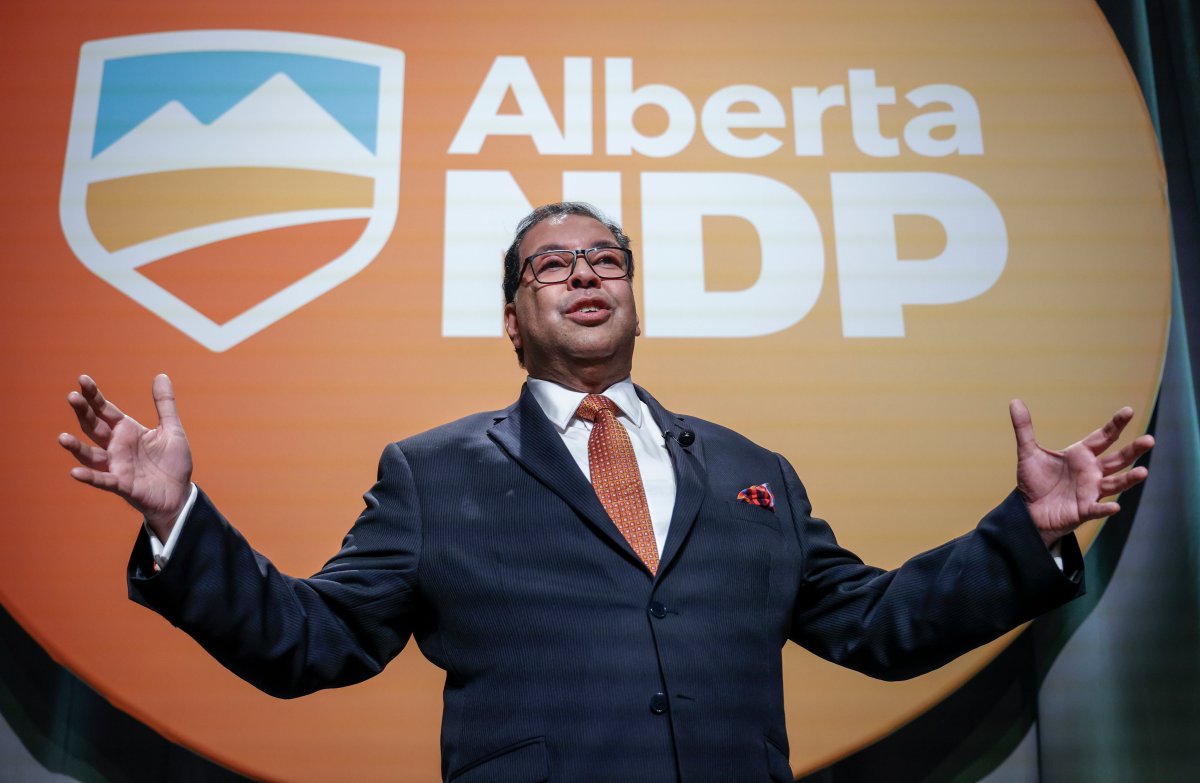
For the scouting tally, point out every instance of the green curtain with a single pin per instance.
(1122, 700)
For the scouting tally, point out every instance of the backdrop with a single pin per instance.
(861, 227)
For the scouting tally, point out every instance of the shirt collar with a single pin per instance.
(560, 403)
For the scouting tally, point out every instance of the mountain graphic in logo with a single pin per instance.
(223, 179)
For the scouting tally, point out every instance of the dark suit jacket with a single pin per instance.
(565, 659)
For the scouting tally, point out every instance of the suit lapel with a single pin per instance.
(689, 478)
(530, 439)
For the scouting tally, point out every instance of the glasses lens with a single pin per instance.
(609, 262)
(552, 267)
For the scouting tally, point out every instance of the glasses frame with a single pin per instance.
(575, 256)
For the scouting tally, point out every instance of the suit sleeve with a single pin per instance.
(898, 624)
(290, 636)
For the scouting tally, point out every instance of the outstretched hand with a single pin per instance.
(1064, 489)
(151, 469)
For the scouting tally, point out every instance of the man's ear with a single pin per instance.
(511, 327)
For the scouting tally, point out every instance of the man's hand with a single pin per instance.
(1064, 489)
(151, 469)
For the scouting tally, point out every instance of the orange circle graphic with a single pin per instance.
(861, 229)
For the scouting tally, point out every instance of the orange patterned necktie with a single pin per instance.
(616, 477)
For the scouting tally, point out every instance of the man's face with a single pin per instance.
(578, 332)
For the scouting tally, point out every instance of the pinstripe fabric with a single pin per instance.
(616, 478)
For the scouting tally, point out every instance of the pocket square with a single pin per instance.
(758, 495)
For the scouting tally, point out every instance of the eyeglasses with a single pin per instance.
(557, 266)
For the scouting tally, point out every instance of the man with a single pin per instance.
(623, 628)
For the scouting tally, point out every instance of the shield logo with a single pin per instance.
(225, 178)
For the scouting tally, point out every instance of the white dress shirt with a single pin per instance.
(658, 476)
(162, 551)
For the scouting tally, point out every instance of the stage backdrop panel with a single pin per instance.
(861, 228)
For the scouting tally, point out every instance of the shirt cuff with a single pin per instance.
(161, 552)
(1055, 552)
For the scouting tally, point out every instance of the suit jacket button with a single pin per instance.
(658, 703)
(658, 610)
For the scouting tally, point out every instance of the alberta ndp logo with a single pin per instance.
(187, 142)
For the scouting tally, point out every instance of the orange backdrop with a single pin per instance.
(1063, 301)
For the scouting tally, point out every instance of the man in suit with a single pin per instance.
(607, 584)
